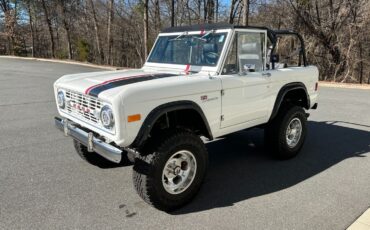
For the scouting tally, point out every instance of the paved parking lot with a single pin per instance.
(45, 185)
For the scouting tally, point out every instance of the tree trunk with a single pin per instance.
(109, 33)
(157, 16)
(172, 13)
(210, 11)
(199, 11)
(66, 27)
(97, 36)
(31, 28)
(217, 5)
(50, 28)
(232, 10)
(245, 12)
(146, 2)
(205, 11)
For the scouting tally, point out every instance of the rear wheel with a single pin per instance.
(169, 174)
(286, 133)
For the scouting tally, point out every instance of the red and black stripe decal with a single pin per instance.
(95, 90)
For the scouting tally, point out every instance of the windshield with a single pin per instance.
(201, 50)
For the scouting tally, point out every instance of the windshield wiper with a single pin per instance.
(208, 33)
(205, 35)
(178, 37)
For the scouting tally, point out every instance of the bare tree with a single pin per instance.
(97, 34)
(172, 13)
(146, 21)
(245, 12)
(62, 5)
(210, 11)
(30, 14)
(10, 13)
(233, 8)
(109, 33)
(50, 28)
(157, 16)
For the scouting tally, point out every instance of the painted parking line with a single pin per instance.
(362, 223)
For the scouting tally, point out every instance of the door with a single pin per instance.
(245, 83)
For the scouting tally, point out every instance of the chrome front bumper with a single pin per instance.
(92, 143)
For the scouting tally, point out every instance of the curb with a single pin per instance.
(64, 62)
(344, 85)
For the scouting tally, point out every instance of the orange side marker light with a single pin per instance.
(135, 117)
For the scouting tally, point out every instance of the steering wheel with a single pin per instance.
(211, 57)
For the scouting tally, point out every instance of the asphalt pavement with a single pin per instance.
(45, 185)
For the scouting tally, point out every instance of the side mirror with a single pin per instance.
(275, 58)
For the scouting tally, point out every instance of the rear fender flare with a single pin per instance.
(283, 92)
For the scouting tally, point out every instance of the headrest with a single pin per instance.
(210, 47)
(249, 48)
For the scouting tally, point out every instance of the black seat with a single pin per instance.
(210, 53)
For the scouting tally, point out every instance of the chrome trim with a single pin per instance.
(105, 150)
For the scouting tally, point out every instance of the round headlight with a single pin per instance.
(106, 117)
(61, 99)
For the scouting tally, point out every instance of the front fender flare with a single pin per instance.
(156, 113)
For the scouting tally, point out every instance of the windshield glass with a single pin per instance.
(201, 50)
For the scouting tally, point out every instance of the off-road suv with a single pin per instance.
(198, 81)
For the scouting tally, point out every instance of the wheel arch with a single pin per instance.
(289, 91)
(164, 109)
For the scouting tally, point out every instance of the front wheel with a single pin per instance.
(169, 175)
(285, 135)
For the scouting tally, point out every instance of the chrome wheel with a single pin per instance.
(293, 132)
(179, 172)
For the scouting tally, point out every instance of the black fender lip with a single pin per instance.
(283, 91)
(157, 112)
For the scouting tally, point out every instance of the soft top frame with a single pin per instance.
(272, 34)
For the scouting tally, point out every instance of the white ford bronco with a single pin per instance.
(198, 81)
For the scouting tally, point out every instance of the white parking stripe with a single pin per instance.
(362, 223)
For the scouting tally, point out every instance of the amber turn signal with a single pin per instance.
(135, 117)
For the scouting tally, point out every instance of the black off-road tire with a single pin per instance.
(95, 159)
(275, 132)
(148, 168)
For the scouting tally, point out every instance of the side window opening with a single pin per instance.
(247, 54)
(251, 51)
(288, 49)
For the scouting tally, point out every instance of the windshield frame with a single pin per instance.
(214, 68)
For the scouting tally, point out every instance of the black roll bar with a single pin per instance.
(274, 36)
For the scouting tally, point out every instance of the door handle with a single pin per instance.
(266, 74)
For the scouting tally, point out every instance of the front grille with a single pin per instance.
(83, 106)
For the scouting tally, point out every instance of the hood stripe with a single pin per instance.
(112, 80)
(97, 89)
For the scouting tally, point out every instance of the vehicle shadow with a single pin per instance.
(240, 169)
(102, 163)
